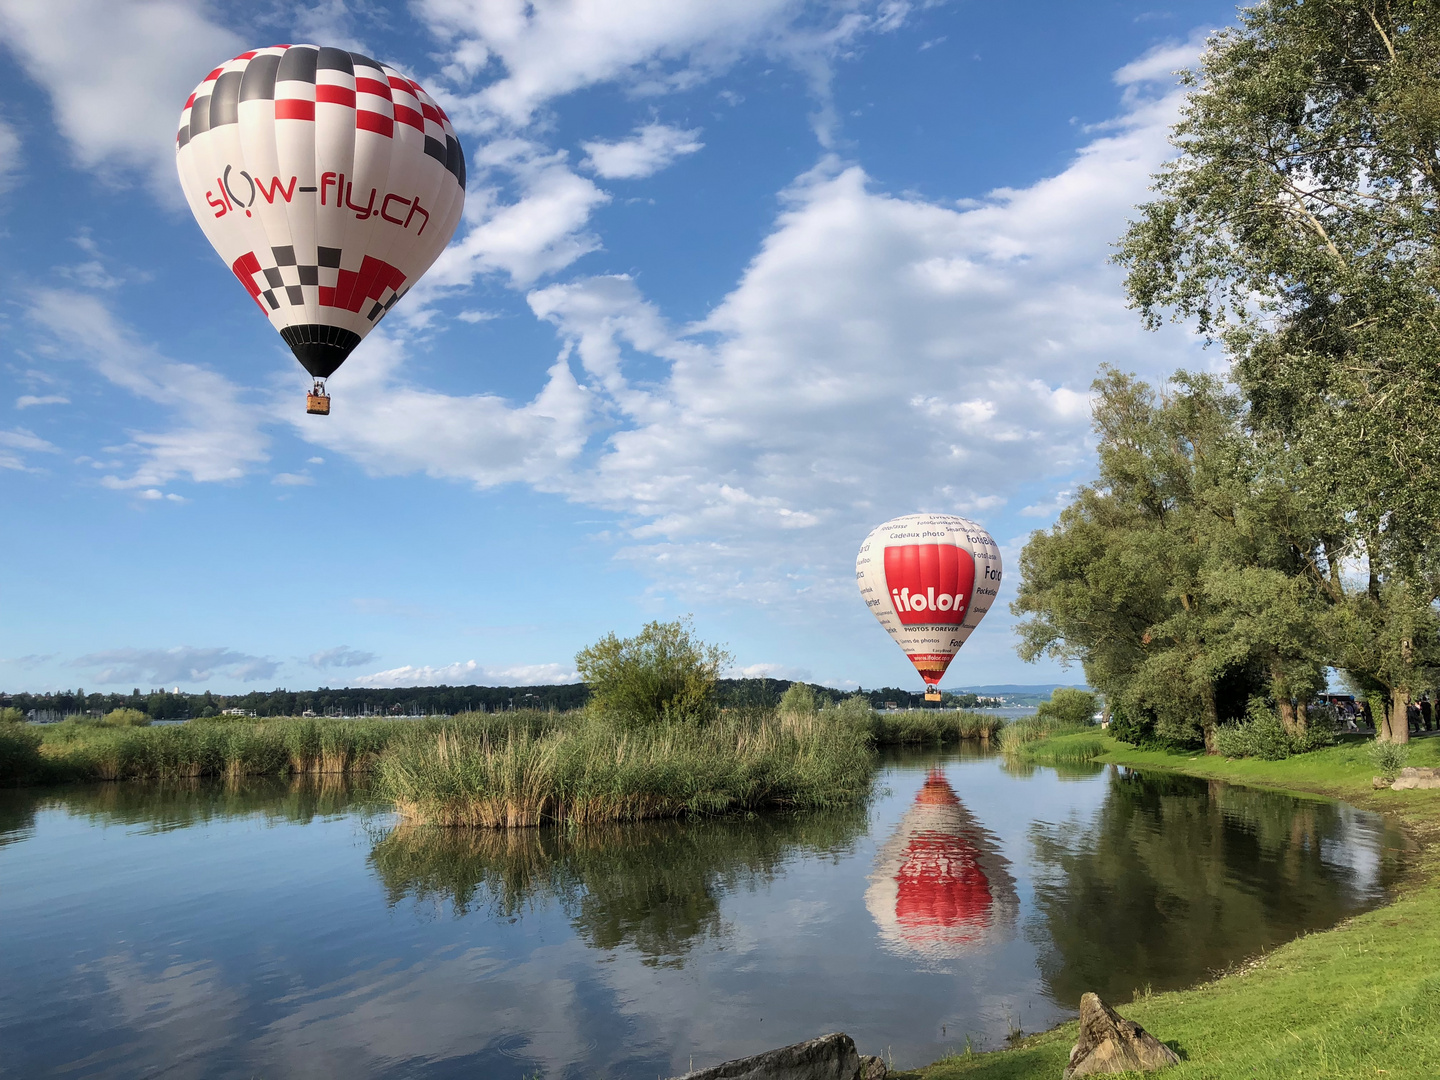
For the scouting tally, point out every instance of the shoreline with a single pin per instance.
(1359, 999)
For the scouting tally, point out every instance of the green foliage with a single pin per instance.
(20, 760)
(11, 715)
(125, 718)
(1074, 708)
(662, 675)
(799, 700)
(1259, 735)
(1389, 757)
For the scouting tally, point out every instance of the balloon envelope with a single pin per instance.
(327, 181)
(929, 579)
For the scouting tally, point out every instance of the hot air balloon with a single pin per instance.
(941, 888)
(929, 579)
(328, 182)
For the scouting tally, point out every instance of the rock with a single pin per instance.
(830, 1057)
(872, 1068)
(1111, 1044)
(1408, 783)
(1420, 773)
(1379, 783)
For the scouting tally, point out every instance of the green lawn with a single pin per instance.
(1361, 1000)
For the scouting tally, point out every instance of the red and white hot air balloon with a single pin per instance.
(929, 579)
(941, 888)
(328, 182)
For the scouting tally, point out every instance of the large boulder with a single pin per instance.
(830, 1057)
(1416, 778)
(1111, 1044)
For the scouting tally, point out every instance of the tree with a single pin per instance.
(664, 673)
(1298, 225)
(1185, 579)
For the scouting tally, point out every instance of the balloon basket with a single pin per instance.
(317, 402)
(932, 695)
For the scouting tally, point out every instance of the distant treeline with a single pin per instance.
(420, 700)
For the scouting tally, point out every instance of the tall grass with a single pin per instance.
(1016, 737)
(246, 747)
(591, 771)
(931, 726)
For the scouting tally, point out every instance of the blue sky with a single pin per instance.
(737, 281)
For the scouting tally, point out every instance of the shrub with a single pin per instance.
(799, 700)
(1261, 735)
(1069, 708)
(11, 715)
(662, 675)
(1389, 757)
(125, 718)
(20, 760)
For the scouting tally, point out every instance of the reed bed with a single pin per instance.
(1021, 738)
(932, 726)
(286, 746)
(589, 771)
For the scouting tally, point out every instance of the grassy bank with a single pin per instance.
(587, 771)
(1361, 1000)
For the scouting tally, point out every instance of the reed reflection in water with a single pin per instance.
(654, 886)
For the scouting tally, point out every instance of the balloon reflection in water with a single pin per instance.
(941, 888)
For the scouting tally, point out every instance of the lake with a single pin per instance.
(279, 929)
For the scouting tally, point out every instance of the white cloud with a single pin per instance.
(182, 664)
(395, 428)
(117, 72)
(880, 355)
(219, 436)
(15, 442)
(471, 673)
(653, 147)
(341, 656)
(11, 158)
(286, 479)
(548, 48)
(25, 401)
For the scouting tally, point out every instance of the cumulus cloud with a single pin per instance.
(881, 354)
(117, 74)
(342, 656)
(181, 664)
(470, 673)
(219, 437)
(652, 148)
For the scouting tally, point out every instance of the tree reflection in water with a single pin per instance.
(941, 888)
(653, 886)
(1175, 877)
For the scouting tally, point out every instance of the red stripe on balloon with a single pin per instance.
(294, 109)
(376, 122)
(408, 116)
(431, 112)
(335, 95)
(372, 86)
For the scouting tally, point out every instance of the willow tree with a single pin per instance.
(1298, 226)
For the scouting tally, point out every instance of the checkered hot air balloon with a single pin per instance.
(929, 579)
(328, 182)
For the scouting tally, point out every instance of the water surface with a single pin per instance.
(292, 930)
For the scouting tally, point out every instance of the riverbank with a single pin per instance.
(1360, 1000)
